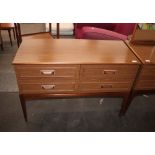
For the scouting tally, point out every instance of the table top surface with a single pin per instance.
(74, 51)
(146, 53)
(6, 25)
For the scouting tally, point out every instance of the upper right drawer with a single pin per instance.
(108, 72)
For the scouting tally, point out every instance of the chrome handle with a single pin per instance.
(109, 71)
(47, 87)
(106, 86)
(47, 72)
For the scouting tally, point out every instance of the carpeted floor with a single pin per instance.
(78, 114)
(7, 74)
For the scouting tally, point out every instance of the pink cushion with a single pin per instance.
(78, 33)
(101, 34)
(79, 26)
(125, 28)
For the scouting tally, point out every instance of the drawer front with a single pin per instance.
(47, 71)
(148, 69)
(147, 73)
(39, 80)
(96, 73)
(105, 87)
(47, 88)
(146, 80)
(145, 85)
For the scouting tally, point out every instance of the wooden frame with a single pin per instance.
(8, 27)
(139, 54)
(19, 35)
(25, 97)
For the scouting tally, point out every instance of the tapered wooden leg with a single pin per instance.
(23, 104)
(125, 104)
(19, 32)
(1, 41)
(14, 33)
(2, 47)
(17, 36)
(9, 31)
(58, 30)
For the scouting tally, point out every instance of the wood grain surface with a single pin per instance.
(74, 51)
(146, 53)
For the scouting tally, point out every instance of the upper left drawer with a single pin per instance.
(47, 70)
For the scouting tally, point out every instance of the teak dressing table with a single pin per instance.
(74, 68)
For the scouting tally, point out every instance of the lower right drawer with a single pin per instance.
(105, 87)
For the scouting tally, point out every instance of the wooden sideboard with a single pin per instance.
(73, 68)
(145, 82)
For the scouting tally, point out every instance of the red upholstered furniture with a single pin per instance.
(104, 31)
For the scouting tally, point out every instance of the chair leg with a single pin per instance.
(9, 31)
(2, 46)
(1, 41)
(14, 33)
(58, 30)
(17, 35)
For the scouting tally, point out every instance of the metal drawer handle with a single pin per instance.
(47, 87)
(47, 72)
(106, 86)
(109, 71)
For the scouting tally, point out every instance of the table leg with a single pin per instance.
(1, 41)
(23, 104)
(14, 33)
(2, 47)
(125, 104)
(9, 31)
(58, 30)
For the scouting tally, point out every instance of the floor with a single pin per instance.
(78, 114)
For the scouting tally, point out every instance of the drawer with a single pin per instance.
(47, 88)
(149, 69)
(96, 73)
(147, 73)
(47, 70)
(145, 85)
(146, 80)
(105, 87)
(39, 80)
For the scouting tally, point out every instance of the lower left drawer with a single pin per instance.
(47, 88)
